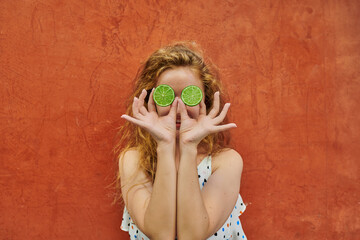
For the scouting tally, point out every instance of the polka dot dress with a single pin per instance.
(231, 229)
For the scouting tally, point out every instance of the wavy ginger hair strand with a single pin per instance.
(131, 136)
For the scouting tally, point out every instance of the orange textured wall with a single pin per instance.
(292, 72)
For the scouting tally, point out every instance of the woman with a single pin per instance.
(179, 178)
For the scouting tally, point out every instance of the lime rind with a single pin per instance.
(163, 95)
(191, 95)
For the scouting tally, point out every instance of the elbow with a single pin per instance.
(162, 235)
(193, 234)
(159, 230)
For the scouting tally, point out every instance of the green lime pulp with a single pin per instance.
(191, 95)
(163, 95)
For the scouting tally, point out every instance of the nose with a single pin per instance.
(178, 114)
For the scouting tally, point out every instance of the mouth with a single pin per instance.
(178, 123)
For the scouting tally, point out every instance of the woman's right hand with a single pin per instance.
(161, 128)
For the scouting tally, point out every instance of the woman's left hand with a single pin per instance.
(192, 131)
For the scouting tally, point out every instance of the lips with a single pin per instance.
(178, 123)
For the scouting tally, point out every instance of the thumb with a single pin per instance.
(174, 106)
(183, 112)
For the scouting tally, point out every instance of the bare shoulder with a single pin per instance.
(129, 168)
(222, 188)
(128, 160)
(135, 186)
(229, 157)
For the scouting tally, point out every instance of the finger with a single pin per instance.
(183, 112)
(141, 106)
(202, 108)
(223, 127)
(134, 120)
(151, 103)
(143, 110)
(215, 110)
(222, 115)
(174, 105)
(135, 108)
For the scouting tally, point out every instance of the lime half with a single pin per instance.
(191, 95)
(163, 95)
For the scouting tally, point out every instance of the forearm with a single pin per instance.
(192, 217)
(160, 215)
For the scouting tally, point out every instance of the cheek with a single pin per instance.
(162, 111)
(193, 112)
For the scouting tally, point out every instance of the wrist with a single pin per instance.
(189, 147)
(166, 146)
